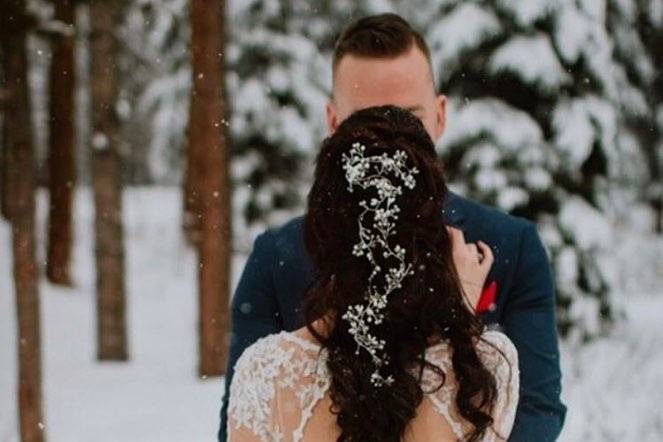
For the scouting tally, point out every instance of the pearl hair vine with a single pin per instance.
(373, 239)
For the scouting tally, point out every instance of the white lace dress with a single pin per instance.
(279, 393)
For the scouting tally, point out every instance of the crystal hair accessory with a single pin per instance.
(373, 239)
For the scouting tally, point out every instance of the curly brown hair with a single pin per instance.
(429, 305)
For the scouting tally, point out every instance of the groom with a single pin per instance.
(381, 60)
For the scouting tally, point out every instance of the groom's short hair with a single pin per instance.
(378, 36)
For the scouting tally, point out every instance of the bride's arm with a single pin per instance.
(254, 311)
(241, 433)
(501, 357)
(251, 391)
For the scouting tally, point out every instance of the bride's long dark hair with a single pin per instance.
(429, 305)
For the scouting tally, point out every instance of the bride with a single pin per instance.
(392, 348)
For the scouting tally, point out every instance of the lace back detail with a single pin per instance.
(278, 381)
(280, 378)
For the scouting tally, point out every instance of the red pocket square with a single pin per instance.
(487, 299)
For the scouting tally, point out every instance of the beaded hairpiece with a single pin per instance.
(373, 239)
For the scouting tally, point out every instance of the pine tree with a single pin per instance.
(279, 82)
(154, 37)
(638, 29)
(534, 110)
(554, 114)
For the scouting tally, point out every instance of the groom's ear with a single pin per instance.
(332, 117)
(440, 116)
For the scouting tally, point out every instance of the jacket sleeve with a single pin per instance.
(254, 312)
(529, 320)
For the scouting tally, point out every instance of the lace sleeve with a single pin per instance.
(502, 358)
(277, 382)
(252, 392)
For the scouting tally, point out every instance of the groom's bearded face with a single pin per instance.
(405, 81)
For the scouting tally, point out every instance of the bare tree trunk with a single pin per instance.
(4, 174)
(3, 137)
(8, 172)
(210, 163)
(18, 130)
(109, 252)
(4, 168)
(61, 161)
(194, 156)
(106, 167)
(191, 213)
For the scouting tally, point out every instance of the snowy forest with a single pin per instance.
(144, 144)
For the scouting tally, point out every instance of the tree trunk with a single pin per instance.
(191, 213)
(4, 171)
(61, 161)
(8, 171)
(209, 163)
(4, 167)
(19, 144)
(3, 136)
(194, 155)
(106, 169)
(109, 253)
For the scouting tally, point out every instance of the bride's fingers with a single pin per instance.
(473, 251)
(487, 252)
(456, 234)
(457, 238)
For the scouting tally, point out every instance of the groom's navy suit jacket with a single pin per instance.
(269, 294)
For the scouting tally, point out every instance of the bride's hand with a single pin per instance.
(473, 262)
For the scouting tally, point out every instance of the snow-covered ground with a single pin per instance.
(612, 387)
